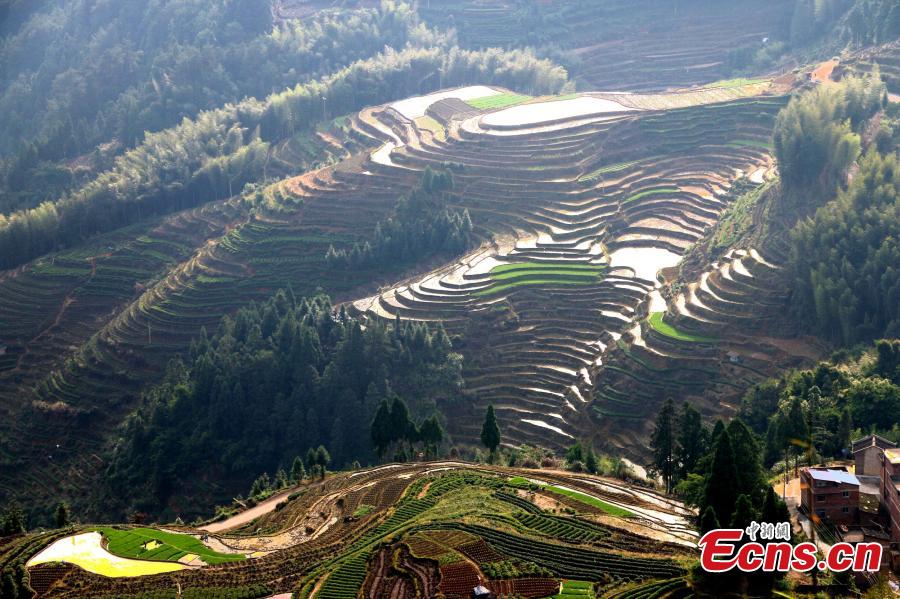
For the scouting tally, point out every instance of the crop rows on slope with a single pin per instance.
(571, 562)
(567, 529)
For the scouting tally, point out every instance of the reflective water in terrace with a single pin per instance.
(530, 114)
(645, 262)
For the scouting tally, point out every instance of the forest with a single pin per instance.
(214, 155)
(277, 377)
(422, 225)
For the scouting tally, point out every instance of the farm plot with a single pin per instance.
(86, 551)
(497, 101)
(157, 545)
(661, 326)
(510, 276)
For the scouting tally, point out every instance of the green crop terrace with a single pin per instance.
(510, 276)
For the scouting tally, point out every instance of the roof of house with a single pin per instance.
(892, 455)
(834, 476)
(480, 591)
(872, 441)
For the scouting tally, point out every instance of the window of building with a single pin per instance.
(846, 493)
(820, 513)
(820, 498)
(845, 510)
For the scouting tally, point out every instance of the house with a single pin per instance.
(867, 454)
(830, 495)
(890, 490)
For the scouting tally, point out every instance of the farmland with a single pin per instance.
(448, 523)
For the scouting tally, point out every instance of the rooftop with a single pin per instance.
(871, 441)
(834, 476)
(892, 455)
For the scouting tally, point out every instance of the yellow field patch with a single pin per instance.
(85, 550)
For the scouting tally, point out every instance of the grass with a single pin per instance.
(610, 509)
(510, 276)
(650, 192)
(603, 170)
(751, 143)
(662, 327)
(363, 510)
(575, 589)
(497, 101)
(166, 546)
(429, 124)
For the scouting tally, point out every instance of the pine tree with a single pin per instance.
(62, 515)
(13, 521)
(575, 453)
(490, 431)
(747, 461)
(743, 512)
(590, 460)
(844, 431)
(381, 430)
(692, 442)
(722, 482)
(662, 442)
(298, 472)
(323, 458)
(709, 521)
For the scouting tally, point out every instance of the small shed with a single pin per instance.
(482, 592)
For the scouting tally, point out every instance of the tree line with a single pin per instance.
(421, 226)
(214, 155)
(279, 376)
(815, 413)
(166, 61)
(719, 471)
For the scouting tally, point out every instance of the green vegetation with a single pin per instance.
(816, 137)
(575, 589)
(845, 258)
(266, 383)
(421, 225)
(609, 169)
(661, 326)
(214, 155)
(828, 405)
(649, 192)
(511, 276)
(586, 499)
(497, 101)
(158, 545)
(363, 510)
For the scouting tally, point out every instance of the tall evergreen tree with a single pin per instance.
(663, 444)
(298, 472)
(692, 440)
(490, 431)
(747, 461)
(722, 483)
(708, 521)
(61, 515)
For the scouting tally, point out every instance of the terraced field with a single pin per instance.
(582, 208)
(577, 210)
(440, 526)
(715, 337)
(625, 45)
